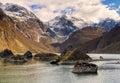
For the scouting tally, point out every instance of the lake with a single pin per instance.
(41, 72)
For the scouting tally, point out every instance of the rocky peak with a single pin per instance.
(17, 11)
(60, 28)
(107, 24)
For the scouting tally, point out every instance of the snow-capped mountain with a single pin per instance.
(27, 26)
(17, 11)
(25, 21)
(61, 27)
(78, 22)
(107, 24)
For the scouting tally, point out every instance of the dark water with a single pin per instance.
(40, 72)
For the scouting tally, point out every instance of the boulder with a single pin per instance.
(101, 58)
(83, 67)
(15, 59)
(71, 57)
(28, 55)
(6, 53)
(46, 56)
(55, 62)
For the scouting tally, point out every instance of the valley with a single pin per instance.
(64, 49)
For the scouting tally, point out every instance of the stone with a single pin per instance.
(85, 68)
(28, 55)
(55, 62)
(6, 53)
(16, 59)
(71, 57)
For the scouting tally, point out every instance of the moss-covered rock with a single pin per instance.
(71, 57)
(82, 67)
(46, 56)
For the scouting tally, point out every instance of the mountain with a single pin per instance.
(60, 28)
(85, 39)
(25, 21)
(79, 22)
(110, 42)
(21, 30)
(17, 11)
(107, 24)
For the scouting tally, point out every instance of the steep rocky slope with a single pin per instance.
(110, 42)
(107, 24)
(85, 39)
(16, 40)
(60, 28)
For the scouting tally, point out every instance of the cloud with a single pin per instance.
(91, 10)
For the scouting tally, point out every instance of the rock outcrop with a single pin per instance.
(85, 68)
(28, 55)
(71, 57)
(6, 53)
(16, 59)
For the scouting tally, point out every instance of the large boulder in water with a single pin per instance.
(28, 55)
(82, 67)
(46, 56)
(71, 57)
(6, 53)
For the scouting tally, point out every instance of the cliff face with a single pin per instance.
(13, 36)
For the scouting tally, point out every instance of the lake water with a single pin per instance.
(41, 72)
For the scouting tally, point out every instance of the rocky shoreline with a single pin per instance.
(74, 57)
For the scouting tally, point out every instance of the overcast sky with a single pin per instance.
(86, 9)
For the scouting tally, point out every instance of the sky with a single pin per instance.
(90, 10)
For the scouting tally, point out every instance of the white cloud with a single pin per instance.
(87, 9)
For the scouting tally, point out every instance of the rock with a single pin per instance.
(101, 57)
(71, 57)
(6, 53)
(55, 62)
(46, 56)
(85, 68)
(28, 55)
(15, 59)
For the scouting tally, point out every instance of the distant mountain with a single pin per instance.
(107, 24)
(110, 42)
(29, 32)
(61, 27)
(78, 22)
(21, 30)
(94, 40)
(85, 39)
